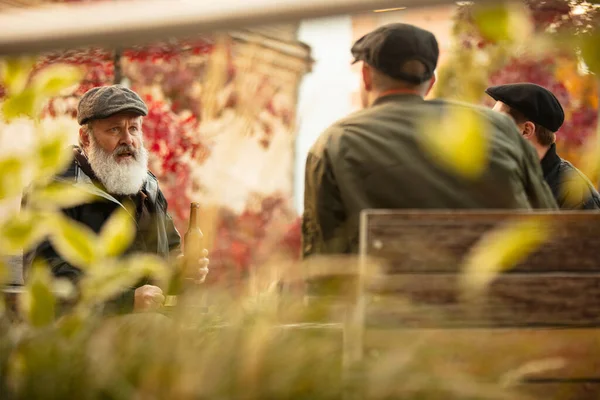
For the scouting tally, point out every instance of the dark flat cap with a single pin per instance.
(388, 47)
(535, 102)
(104, 101)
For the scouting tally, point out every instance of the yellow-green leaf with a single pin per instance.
(53, 156)
(503, 21)
(64, 289)
(574, 187)
(11, 176)
(59, 195)
(500, 250)
(493, 21)
(117, 233)
(589, 51)
(113, 277)
(23, 104)
(458, 142)
(52, 80)
(71, 324)
(15, 73)
(150, 265)
(22, 232)
(75, 242)
(40, 304)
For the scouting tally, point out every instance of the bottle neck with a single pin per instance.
(194, 218)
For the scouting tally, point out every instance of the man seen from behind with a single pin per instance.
(374, 158)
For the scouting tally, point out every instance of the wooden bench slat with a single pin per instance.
(437, 242)
(491, 353)
(513, 300)
(562, 390)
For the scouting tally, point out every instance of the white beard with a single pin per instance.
(120, 178)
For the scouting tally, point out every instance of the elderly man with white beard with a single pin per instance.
(111, 156)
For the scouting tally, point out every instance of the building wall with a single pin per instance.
(325, 93)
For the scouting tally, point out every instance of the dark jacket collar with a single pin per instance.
(84, 164)
(551, 160)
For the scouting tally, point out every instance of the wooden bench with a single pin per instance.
(536, 327)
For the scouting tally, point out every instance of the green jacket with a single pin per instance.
(373, 159)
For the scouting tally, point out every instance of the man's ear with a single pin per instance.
(529, 130)
(367, 77)
(84, 138)
(431, 83)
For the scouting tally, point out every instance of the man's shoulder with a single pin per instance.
(488, 113)
(569, 173)
(344, 127)
(431, 108)
(332, 133)
(363, 121)
(434, 108)
(576, 188)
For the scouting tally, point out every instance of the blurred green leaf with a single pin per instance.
(151, 266)
(22, 231)
(107, 281)
(508, 22)
(40, 304)
(23, 104)
(458, 142)
(493, 21)
(11, 176)
(15, 73)
(53, 79)
(75, 242)
(500, 250)
(73, 323)
(117, 233)
(589, 51)
(59, 195)
(113, 277)
(53, 155)
(63, 289)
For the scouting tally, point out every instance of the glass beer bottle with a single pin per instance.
(192, 241)
(192, 252)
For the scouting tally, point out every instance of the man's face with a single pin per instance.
(120, 135)
(116, 153)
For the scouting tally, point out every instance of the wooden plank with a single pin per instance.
(428, 241)
(130, 22)
(561, 390)
(494, 354)
(513, 300)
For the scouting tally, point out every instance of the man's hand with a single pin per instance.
(148, 298)
(197, 270)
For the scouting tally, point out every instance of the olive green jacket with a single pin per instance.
(375, 158)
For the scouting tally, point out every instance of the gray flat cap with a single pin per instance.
(104, 101)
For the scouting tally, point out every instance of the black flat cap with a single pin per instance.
(104, 101)
(537, 103)
(387, 48)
